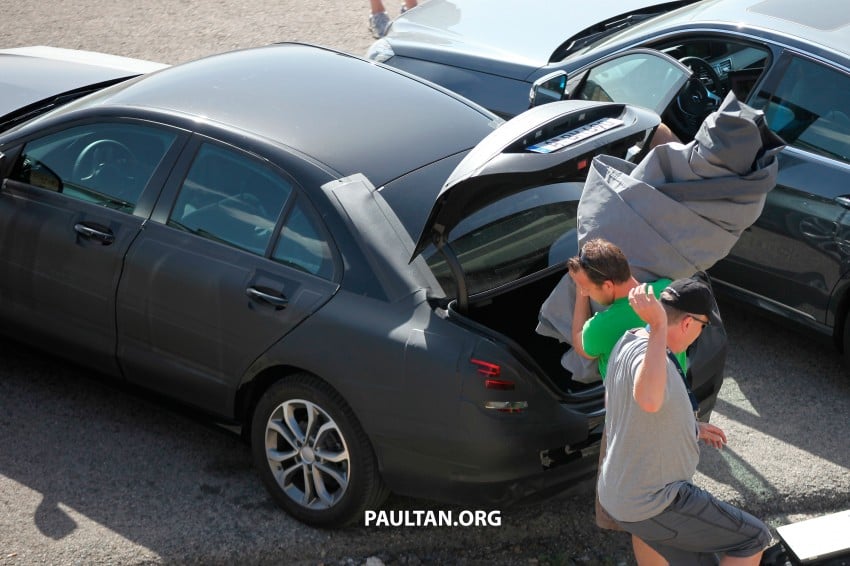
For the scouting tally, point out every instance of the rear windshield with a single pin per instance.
(512, 238)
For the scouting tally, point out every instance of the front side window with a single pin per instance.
(808, 108)
(105, 164)
(643, 79)
(230, 197)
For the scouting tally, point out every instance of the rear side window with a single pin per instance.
(808, 108)
(230, 197)
(302, 244)
(512, 238)
(107, 164)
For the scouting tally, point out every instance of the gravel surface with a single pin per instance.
(91, 473)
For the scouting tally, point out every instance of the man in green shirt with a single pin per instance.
(601, 272)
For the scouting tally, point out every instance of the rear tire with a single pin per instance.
(312, 454)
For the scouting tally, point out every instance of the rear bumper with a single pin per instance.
(496, 460)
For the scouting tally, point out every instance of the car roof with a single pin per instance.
(520, 33)
(352, 115)
(32, 74)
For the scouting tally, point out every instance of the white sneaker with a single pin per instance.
(379, 24)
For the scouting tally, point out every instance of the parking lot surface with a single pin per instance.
(91, 474)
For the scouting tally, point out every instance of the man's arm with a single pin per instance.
(581, 314)
(651, 380)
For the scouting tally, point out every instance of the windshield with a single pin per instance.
(88, 100)
(590, 37)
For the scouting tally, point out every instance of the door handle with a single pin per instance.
(275, 300)
(105, 238)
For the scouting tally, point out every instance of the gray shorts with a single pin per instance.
(697, 526)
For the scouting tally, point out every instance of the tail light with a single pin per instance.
(492, 372)
(486, 368)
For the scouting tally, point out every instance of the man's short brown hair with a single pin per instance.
(601, 261)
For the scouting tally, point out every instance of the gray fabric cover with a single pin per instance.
(677, 212)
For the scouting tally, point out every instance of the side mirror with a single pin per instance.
(551, 88)
(35, 173)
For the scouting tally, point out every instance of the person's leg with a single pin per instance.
(603, 519)
(697, 527)
(379, 21)
(645, 555)
(410, 4)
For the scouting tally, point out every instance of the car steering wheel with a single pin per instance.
(697, 99)
(107, 166)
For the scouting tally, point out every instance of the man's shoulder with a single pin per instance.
(634, 339)
(632, 343)
(630, 347)
(619, 313)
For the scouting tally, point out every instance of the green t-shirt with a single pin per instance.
(605, 328)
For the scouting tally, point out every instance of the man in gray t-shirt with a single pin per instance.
(645, 480)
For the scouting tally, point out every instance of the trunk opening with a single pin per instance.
(513, 313)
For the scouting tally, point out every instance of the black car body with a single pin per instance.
(790, 59)
(240, 235)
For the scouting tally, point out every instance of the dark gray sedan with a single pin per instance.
(269, 235)
(790, 59)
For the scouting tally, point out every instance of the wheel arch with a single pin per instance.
(251, 392)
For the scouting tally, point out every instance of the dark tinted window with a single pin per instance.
(302, 244)
(808, 108)
(738, 65)
(514, 237)
(230, 197)
(107, 164)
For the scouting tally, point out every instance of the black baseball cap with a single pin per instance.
(689, 295)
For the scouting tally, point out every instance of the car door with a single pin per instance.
(795, 254)
(228, 266)
(640, 77)
(71, 206)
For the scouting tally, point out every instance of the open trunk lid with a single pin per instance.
(546, 144)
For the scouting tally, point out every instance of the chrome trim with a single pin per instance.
(762, 298)
(816, 157)
(506, 405)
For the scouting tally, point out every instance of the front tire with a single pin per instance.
(312, 454)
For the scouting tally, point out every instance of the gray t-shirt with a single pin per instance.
(649, 455)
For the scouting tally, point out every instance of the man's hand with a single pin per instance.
(711, 435)
(647, 307)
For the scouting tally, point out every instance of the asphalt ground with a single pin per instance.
(91, 473)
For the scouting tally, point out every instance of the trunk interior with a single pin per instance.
(513, 313)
